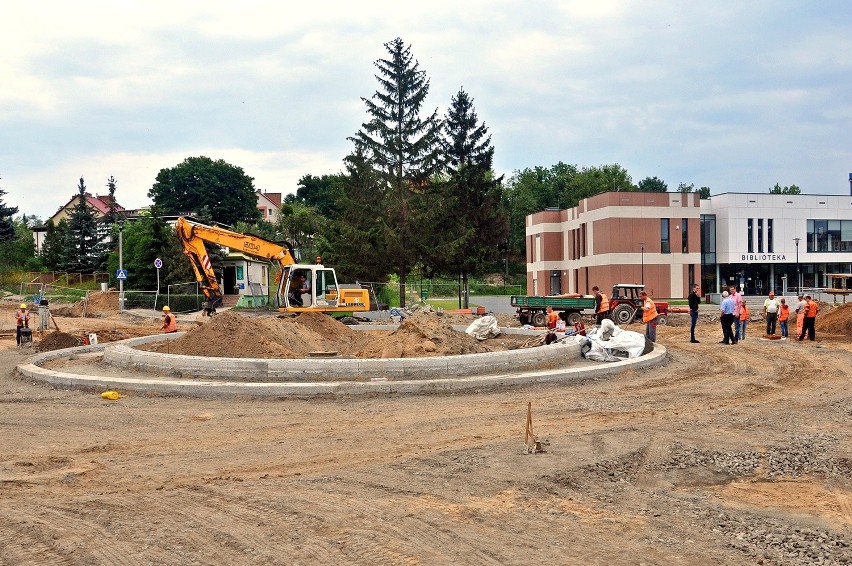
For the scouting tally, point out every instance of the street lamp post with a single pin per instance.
(121, 265)
(642, 273)
(798, 277)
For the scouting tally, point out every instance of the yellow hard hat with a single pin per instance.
(166, 308)
(23, 305)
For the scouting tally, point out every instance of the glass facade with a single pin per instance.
(750, 236)
(829, 236)
(708, 239)
(665, 238)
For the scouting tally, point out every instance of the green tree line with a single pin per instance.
(417, 196)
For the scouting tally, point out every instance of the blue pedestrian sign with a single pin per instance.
(121, 274)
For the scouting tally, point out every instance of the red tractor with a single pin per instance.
(625, 304)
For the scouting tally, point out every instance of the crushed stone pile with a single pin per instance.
(835, 321)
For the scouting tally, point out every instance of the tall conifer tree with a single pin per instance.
(404, 150)
(477, 212)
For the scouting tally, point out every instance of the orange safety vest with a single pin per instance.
(744, 314)
(785, 312)
(22, 318)
(811, 309)
(552, 317)
(650, 310)
(170, 322)
(604, 304)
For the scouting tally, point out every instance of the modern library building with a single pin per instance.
(759, 242)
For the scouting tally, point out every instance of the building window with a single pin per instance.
(750, 236)
(708, 239)
(665, 240)
(684, 235)
(829, 236)
(760, 236)
(770, 248)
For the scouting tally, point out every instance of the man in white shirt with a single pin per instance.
(770, 312)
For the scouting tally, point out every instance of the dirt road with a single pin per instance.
(728, 455)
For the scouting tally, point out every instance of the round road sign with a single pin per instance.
(158, 263)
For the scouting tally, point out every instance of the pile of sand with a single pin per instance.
(233, 335)
(835, 321)
(423, 335)
(58, 341)
(102, 303)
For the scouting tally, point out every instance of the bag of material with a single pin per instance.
(483, 328)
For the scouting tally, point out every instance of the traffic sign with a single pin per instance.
(121, 274)
(158, 263)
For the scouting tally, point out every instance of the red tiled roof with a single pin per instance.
(274, 198)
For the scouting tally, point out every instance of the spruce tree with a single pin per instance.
(7, 227)
(52, 248)
(404, 150)
(355, 242)
(84, 254)
(477, 212)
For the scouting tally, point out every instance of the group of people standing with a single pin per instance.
(735, 316)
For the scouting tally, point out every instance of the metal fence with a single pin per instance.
(53, 277)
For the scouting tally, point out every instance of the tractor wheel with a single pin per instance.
(623, 314)
(539, 319)
(661, 319)
(573, 318)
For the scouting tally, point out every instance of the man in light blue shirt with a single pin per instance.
(728, 308)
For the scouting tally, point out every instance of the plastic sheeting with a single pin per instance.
(483, 328)
(609, 343)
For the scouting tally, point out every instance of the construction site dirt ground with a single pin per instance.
(727, 455)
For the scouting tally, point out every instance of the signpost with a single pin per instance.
(158, 263)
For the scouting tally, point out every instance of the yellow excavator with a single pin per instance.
(301, 287)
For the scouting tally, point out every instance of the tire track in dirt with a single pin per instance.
(58, 535)
(23, 541)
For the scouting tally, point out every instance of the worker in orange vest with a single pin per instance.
(811, 309)
(169, 321)
(601, 305)
(22, 320)
(552, 318)
(783, 317)
(743, 322)
(649, 316)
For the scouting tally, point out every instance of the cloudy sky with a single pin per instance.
(731, 95)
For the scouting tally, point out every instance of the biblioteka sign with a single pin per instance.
(763, 257)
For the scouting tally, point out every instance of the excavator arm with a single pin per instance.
(192, 236)
(326, 296)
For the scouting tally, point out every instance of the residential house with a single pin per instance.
(99, 205)
(269, 205)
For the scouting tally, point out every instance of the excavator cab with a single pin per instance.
(309, 287)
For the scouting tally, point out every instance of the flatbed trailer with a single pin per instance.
(625, 306)
(533, 310)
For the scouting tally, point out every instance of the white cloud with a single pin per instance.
(724, 94)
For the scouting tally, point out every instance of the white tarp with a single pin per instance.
(609, 343)
(483, 327)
